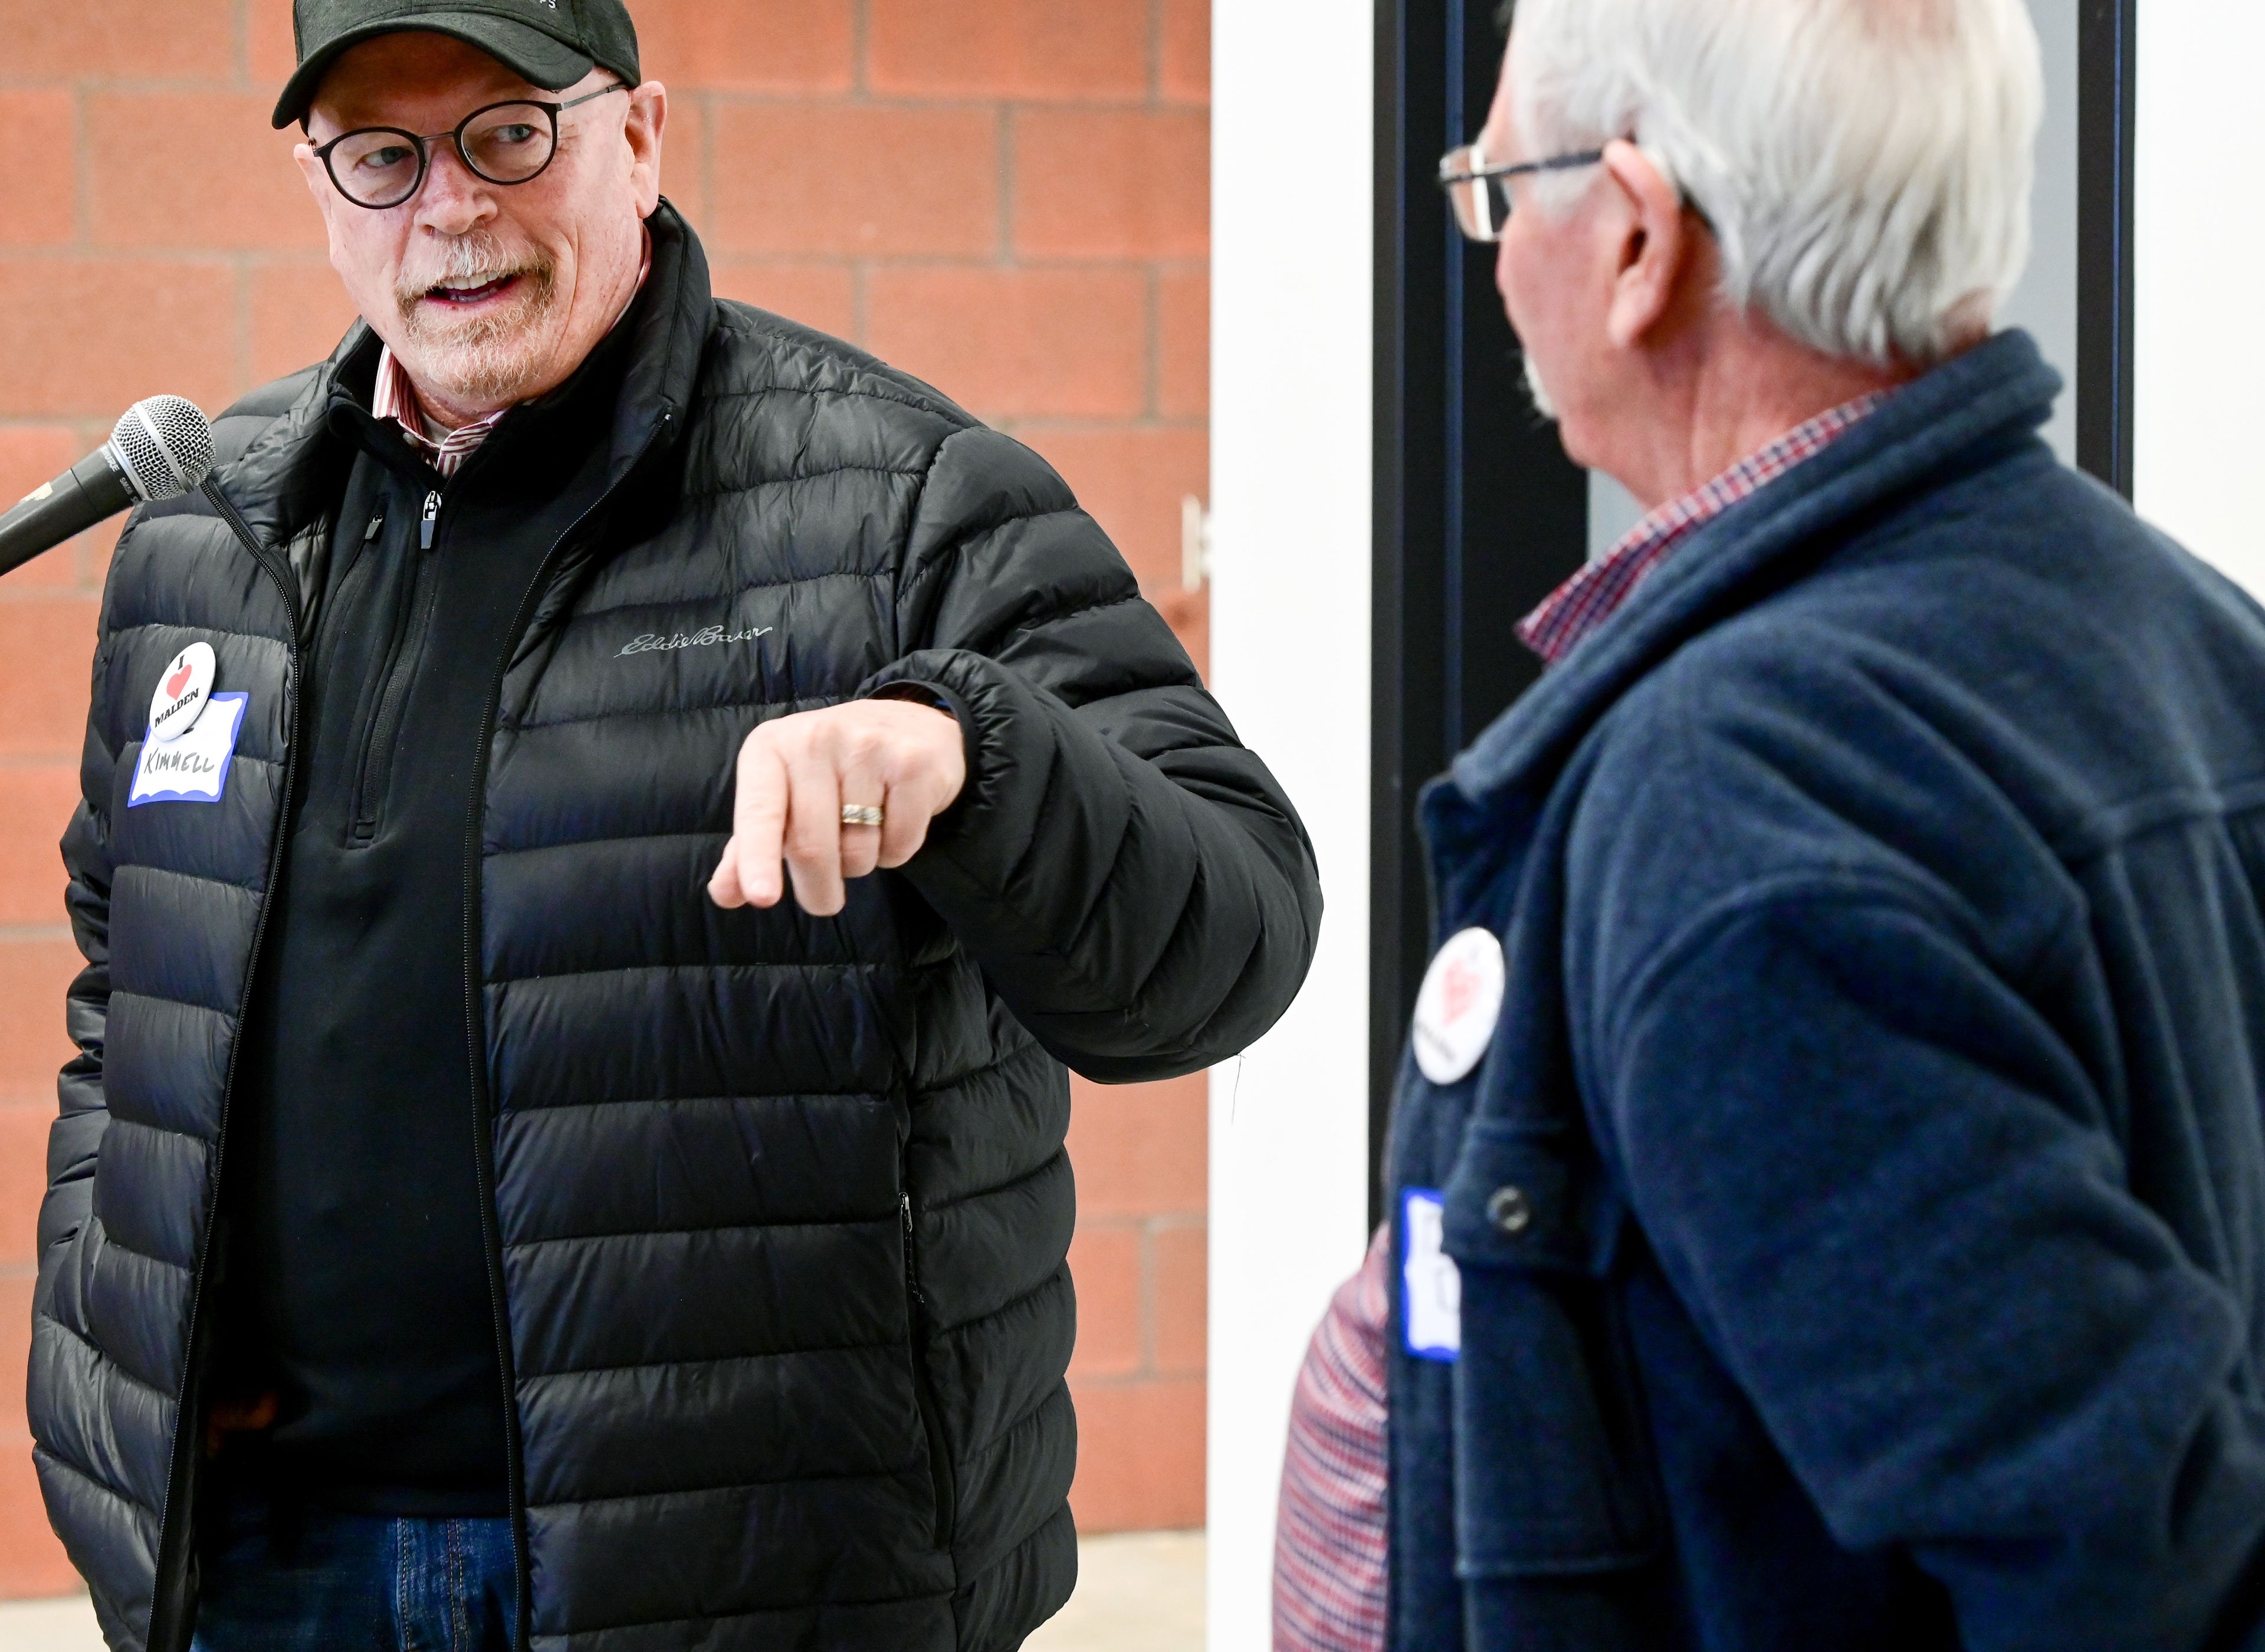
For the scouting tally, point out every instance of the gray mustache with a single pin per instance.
(470, 261)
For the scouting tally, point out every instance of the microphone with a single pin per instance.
(162, 448)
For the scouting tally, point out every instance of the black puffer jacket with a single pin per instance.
(780, 1206)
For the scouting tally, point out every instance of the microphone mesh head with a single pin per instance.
(165, 445)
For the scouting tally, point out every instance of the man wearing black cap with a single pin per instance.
(486, 1210)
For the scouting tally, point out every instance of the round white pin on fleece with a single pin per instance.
(1455, 1012)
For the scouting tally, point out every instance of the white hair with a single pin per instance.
(1865, 163)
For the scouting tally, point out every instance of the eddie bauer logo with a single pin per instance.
(714, 636)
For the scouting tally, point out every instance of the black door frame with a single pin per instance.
(2106, 94)
(1479, 515)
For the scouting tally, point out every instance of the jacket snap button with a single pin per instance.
(1509, 1210)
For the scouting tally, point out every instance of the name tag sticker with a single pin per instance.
(1432, 1284)
(193, 768)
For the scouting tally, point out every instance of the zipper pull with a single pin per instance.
(911, 1274)
(371, 531)
(425, 529)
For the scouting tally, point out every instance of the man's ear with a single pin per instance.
(1655, 249)
(648, 118)
(318, 179)
(327, 199)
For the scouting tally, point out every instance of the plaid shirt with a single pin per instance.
(1330, 1538)
(1331, 1547)
(1577, 608)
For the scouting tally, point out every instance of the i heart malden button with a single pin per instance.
(184, 691)
(1456, 1010)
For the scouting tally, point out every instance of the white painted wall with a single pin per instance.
(1291, 136)
(2200, 251)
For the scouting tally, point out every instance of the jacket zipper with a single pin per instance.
(476, 1040)
(169, 1633)
(939, 1458)
(374, 771)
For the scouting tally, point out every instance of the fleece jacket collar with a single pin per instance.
(1997, 392)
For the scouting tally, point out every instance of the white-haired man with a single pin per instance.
(1827, 1177)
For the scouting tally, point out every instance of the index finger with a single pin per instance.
(758, 845)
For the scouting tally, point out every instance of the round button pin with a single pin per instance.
(1455, 1011)
(184, 690)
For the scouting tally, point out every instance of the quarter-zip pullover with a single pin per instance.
(361, 1295)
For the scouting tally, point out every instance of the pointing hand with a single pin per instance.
(799, 775)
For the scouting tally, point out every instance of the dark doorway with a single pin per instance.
(1479, 513)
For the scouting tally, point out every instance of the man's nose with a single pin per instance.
(455, 198)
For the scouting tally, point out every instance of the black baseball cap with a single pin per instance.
(549, 43)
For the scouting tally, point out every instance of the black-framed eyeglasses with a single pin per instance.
(1480, 193)
(513, 143)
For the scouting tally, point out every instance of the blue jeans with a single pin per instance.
(278, 1580)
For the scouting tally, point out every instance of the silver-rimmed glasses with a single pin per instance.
(1479, 192)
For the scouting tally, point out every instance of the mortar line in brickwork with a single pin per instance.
(1006, 118)
(1184, 425)
(244, 379)
(1134, 1379)
(1177, 1221)
(1154, 319)
(82, 184)
(1155, 52)
(31, 933)
(18, 594)
(860, 38)
(89, 252)
(1148, 1313)
(230, 84)
(705, 163)
(912, 103)
(1028, 265)
(244, 42)
(860, 303)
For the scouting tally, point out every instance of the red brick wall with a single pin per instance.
(1008, 197)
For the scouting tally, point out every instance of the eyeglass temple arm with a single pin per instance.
(1555, 163)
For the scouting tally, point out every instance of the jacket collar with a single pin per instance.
(291, 475)
(1999, 391)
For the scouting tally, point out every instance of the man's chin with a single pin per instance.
(492, 358)
(490, 372)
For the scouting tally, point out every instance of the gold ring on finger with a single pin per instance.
(861, 814)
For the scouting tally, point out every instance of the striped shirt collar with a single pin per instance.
(1575, 609)
(395, 398)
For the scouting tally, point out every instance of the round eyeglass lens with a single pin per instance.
(377, 168)
(509, 143)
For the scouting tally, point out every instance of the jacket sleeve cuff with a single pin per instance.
(995, 711)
